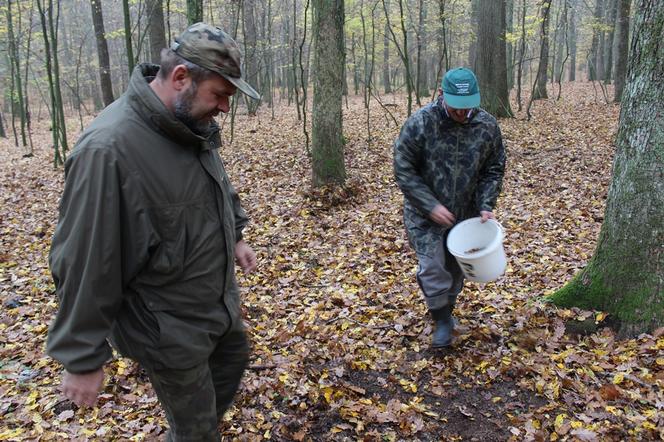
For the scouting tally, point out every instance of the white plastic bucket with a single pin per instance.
(478, 248)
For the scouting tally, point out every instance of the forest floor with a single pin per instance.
(340, 336)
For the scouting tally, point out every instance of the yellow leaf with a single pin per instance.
(600, 317)
(327, 392)
(660, 361)
(649, 425)
(560, 419)
(618, 378)
(10, 434)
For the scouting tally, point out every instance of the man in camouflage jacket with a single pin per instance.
(149, 232)
(449, 162)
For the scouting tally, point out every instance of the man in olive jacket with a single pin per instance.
(449, 162)
(149, 228)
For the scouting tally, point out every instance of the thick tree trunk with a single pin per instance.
(622, 50)
(625, 277)
(156, 30)
(102, 53)
(539, 92)
(327, 131)
(491, 58)
(3, 134)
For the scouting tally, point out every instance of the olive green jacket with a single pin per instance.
(143, 252)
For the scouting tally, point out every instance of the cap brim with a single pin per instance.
(462, 101)
(243, 86)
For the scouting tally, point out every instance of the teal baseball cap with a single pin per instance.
(460, 89)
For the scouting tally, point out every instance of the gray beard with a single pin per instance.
(182, 112)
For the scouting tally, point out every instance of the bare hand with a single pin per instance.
(83, 389)
(245, 257)
(442, 216)
(486, 215)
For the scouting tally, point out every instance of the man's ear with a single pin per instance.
(180, 77)
(440, 91)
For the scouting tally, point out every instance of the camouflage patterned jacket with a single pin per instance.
(437, 160)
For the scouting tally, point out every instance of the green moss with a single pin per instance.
(587, 290)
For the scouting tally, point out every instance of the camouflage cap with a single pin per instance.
(211, 48)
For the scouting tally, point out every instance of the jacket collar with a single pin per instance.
(147, 104)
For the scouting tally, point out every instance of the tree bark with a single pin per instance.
(127, 31)
(250, 51)
(156, 29)
(593, 73)
(625, 276)
(102, 53)
(572, 43)
(194, 11)
(491, 58)
(327, 138)
(620, 69)
(612, 15)
(539, 91)
(386, 55)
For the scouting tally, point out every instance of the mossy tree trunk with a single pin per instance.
(625, 277)
(327, 138)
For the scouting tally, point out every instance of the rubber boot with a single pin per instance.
(442, 335)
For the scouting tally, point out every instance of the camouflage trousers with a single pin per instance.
(438, 274)
(194, 399)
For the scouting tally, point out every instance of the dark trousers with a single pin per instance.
(194, 399)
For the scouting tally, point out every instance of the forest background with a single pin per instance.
(339, 332)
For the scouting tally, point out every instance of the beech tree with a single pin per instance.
(624, 277)
(326, 130)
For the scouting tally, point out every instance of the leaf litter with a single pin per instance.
(339, 332)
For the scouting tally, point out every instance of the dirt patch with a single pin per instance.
(463, 412)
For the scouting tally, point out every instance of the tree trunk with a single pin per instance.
(472, 47)
(625, 276)
(509, 22)
(15, 69)
(102, 53)
(327, 138)
(572, 43)
(387, 84)
(156, 30)
(622, 48)
(608, 49)
(539, 91)
(250, 51)
(3, 134)
(594, 47)
(127, 31)
(491, 58)
(194, 11)
(522, 53)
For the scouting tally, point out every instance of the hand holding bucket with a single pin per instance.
(478, 248)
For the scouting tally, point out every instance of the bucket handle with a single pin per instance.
(500, 226)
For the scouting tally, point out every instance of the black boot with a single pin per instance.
(442, 335)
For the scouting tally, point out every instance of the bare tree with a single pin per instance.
(102, 52)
